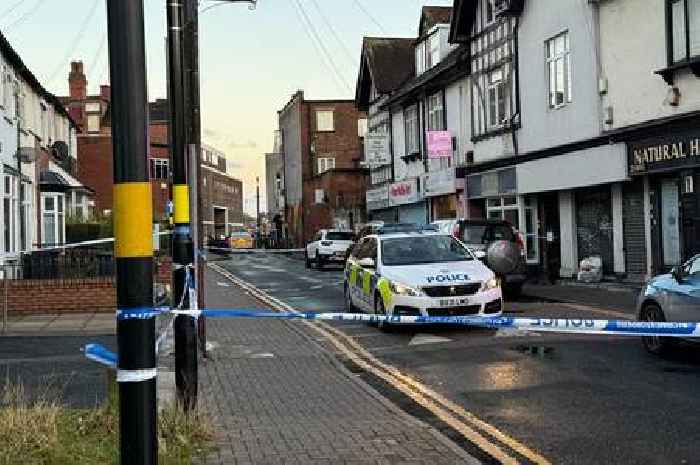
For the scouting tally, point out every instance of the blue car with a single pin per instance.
(670, 297)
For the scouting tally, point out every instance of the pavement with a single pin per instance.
(574, 399)
(277, 396)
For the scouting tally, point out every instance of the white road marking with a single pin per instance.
(601, 311)
(421, 339)
(508, 332)
(219, 283)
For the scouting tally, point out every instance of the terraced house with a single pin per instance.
(38, 161)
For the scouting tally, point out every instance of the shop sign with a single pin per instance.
(404, 192)
(664, 154)
(439, 183)
(377, 149)
(377, 198)
(439, 144)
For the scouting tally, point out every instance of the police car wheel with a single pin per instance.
(319, 261)
(654, 344)
(379, 309)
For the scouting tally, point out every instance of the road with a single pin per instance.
(574, 399)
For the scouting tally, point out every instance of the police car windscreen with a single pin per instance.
(427, 249)
(340, 236)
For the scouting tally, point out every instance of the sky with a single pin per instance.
(252, 61)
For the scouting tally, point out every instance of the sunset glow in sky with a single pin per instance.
(252, 61)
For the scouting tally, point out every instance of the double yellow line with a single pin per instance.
(485, 436)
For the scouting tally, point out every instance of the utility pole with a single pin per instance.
(133, 247)
(257, 209)
(194, 140)
(186, 379)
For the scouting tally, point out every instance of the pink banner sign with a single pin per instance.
(439, 144)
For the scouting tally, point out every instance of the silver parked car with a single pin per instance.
(671, 297)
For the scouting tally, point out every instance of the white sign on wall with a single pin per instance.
(404, 192)
(378, 198)
(377, 149)
(439, 182)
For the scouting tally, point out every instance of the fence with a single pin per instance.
(73, 279)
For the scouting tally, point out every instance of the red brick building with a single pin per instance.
(325, 185)
(222, 195)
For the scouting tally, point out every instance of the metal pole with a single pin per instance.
(133, 248)
(194, 137)
(257, 209)
(185, 334)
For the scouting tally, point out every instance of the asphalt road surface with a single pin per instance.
(575, 399)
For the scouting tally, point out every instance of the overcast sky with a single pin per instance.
(251, 61)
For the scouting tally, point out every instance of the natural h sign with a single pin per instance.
(377, 149)
(663, 154)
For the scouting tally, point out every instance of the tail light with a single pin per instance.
(326, 243)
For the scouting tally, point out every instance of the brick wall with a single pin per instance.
(220, 190)
(59, 296)
(95, 168)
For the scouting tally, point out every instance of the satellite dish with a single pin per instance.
(503, 256)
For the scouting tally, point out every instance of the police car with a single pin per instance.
(419, 273)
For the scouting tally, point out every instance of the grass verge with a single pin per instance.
(42, 432)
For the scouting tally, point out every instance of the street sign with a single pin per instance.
(377, 149)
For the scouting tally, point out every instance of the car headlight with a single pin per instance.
(403, 289)
(492, 283)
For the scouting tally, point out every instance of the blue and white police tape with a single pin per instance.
(558, 325)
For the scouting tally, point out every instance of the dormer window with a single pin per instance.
(428, 52)
(433, 51)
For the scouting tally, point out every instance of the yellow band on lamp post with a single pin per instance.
(181, 204)
(133, 220)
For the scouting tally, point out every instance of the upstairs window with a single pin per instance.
(159, 168)
(684, 28)
(362, 127)
(411, 127)
(496, 96)
(324, 120)
(490, 13)
(420, 58)
(325, 164)
(558, 59)
(436, 113)
(433, 52)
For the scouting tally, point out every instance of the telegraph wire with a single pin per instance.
(26, 15)
(369, 15)
(97, 58)
(76, 41)
(330, 27)
(315, 40)
(12, 8)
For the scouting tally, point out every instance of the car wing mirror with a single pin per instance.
(480, 254)
(367, 263)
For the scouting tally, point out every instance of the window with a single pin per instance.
(319, 196)
(325, 164)
(490, 16)
(433, 55)
(159, 168)
(521, 213)
(558, 59)
(436, 113)
(362, 127)
(324, 120)
(496, 99)
(411, 128)
(6, 88)
(685, 29)
(93, 123)
(53, 219)
(26, 206)
(420, 58)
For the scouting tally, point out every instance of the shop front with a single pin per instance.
(408, 199)
(440, 188)
(670, 167)
(378, 208)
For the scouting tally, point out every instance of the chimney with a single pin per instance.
(106, 92)
(77, 82)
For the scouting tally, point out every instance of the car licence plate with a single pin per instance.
(453, 302)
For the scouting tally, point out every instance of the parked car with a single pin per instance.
(240, 238)
(479, 234)
(673, 297)
(329, 246)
